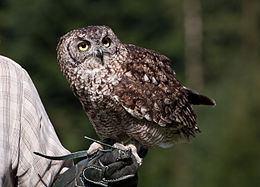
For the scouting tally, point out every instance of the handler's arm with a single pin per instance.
(25, 128)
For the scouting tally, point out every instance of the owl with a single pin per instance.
(128, 92)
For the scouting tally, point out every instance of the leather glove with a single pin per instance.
(113, 168)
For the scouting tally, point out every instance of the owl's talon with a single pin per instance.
(133, 149)
(119, 146)
(93, 148)
(134, 152)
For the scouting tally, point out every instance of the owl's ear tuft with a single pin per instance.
(59, 43)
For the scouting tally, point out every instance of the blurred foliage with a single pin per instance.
(227, 152)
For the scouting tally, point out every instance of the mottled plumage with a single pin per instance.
(127, 91)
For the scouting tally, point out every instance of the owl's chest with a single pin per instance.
(96, 85)
(108, 118)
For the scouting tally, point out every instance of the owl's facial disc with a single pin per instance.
(91, 46)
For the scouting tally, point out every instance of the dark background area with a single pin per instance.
(214, 46)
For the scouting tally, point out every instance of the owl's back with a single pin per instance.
(150, 92)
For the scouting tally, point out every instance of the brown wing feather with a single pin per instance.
(149, 90)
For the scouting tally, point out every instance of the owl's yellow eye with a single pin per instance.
(106, 42)
(83, 46)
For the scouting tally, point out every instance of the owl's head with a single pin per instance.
(92, 45)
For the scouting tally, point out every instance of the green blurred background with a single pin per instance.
(214, 46)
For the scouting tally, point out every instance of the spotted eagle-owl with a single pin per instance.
(128, 92)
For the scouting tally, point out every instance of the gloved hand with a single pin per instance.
(113, 168)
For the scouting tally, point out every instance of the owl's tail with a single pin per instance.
(197, 99)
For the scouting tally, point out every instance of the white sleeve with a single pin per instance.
(25, 128)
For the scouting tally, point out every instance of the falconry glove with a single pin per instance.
(104, 168)
(113, 168)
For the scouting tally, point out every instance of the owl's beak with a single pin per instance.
(99, 53)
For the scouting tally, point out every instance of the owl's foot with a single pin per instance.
(94, 147)
(133, 150)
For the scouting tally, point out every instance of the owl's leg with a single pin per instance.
(142, 151)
